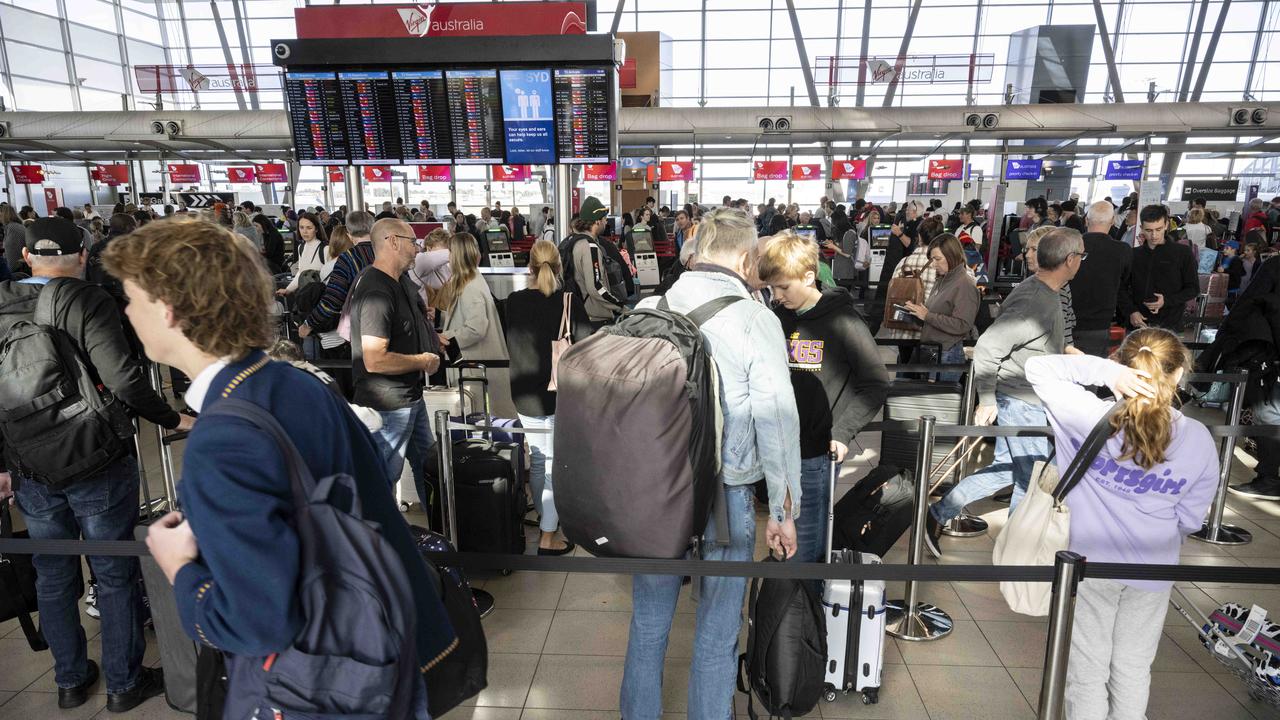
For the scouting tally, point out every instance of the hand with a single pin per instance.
(985, 415)
(1154, 307)
(431, 315)
(828, 245)
(1130, 383)
(840, 449)
(781, 536)
(6, 488)
(304, 330)
(917, 309)
(282, 292)
(185, 423)
(1137, 320)
(431, 363)
(895, 230)
(1072, 350)
(172, 544)
(444, 341)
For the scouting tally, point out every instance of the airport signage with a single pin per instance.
(1124, 170)
(849, 170)
(946, 169)
(1023, 169)
(441, 20)
(435, 173)
(806, 172)
(1210, 190)
(241, 175)
(183, 173)
(927, 69)
(512, 173)
(27, 174)
(606, 171)
(378, 173)
(205, 200)
(675, 171)
(271, 172)
(769, 170)
(337, 175)
(113, 174)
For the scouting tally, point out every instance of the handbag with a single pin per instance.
(18, 585)
(563, 341)
(1041, 524)
(909, 287)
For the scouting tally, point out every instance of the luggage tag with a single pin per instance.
(1252, 626)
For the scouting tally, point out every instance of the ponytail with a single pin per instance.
(544, 266)
(1147, 423)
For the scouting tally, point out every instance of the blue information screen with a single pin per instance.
(1124, 170)
(527, 116)
(1023, 169)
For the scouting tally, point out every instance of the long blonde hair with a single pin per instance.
(544, 265)
(1147, 424)
(464, 264)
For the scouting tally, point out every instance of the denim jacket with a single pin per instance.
(760, 419)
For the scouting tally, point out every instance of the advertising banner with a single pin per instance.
(605, 171)
(238, 175)
(183, 174)
(435, 173)
(271, 172)
(113, 174)
(849, 170)
(769, 169)
(1023, 169)
(441, 20)
(378, 173)
(946, 169)
(806, 172)
(511, 173)
(27, 174)
(337, 175)
(675, 171)
(1124, 170)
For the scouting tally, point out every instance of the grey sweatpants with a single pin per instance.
(1114, 639)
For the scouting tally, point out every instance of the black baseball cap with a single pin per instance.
(54, 236)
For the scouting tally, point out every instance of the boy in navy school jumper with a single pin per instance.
(233, 558)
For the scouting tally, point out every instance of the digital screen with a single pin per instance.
(642, 240)
(497, 239)
(369, 106)
(422, 110)
(316, 118)
(527, 116)
(582, 99)
(808, 232)
(880, 235)
(475, 117)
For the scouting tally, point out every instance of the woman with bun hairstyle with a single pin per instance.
(1147, 489)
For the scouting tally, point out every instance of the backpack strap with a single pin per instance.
(1088, 451)
(704, 312)
(43, 315)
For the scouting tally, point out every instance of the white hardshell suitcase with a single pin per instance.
(855, 615)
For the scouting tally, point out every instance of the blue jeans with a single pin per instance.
(1015, 459)
(103, 508)
(952, 355)
(715, 643)
(811, 526)
(541, 456)
(406, 435)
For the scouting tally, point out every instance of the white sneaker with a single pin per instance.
(91, 602)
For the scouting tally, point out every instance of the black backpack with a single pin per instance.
(876, 511)
(60, 425)
(786, 657)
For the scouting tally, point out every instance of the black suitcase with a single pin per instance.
(909, 400)
(873, 515)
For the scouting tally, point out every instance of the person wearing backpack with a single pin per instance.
(586, 271)
(761, 425)
(71, 465)
(235, 554)
(310, 254)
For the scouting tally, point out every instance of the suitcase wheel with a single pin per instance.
(829, 694)
(871, 696)
(404, 507)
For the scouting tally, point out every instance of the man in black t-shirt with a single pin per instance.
(393, 349)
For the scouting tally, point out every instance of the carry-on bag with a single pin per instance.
(786, 647)
(910, 400)
(875, 512)
(464, 672)
(1040, 526)
(854, 611)
(18, 584)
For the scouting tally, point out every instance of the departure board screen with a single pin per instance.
(475, 117)
(582, 104)
(316, 118)
(368, 103)
(527, 119)
(422, 105)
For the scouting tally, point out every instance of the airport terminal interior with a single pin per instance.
(637, 124)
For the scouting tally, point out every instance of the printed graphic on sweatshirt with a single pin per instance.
(805, 354)
(1133, 480)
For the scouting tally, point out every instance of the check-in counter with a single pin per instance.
(505, 280)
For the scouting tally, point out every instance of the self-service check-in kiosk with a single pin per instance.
(500, 254)
(646, 259)
(879, 236)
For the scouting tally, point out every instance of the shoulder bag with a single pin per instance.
(564, 339)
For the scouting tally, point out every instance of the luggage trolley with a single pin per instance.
(1248, 661)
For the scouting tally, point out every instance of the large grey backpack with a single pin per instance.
(637, 447)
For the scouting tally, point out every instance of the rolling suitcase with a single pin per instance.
(855, 615)
(909, 400)
(875, 513)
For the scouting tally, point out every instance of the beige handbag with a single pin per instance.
(563, 340)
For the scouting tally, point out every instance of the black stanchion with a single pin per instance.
(1068, 569)
(965, 525)
(1215, 531)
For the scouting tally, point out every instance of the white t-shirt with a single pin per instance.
(973, 230)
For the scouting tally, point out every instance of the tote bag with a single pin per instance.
(563, 340)
(1041, 524)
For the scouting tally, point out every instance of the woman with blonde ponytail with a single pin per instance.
(534, 319)
(1146, 490)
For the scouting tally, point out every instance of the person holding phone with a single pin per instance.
(1164, 274)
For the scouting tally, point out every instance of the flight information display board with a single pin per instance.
(315, 117)
(583, 99)
(527, 122)
(369, 110)
(475, 117)
(422, 109)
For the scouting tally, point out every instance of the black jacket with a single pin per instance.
(1102, 287)
(89, 315)
(533, 321)
(839, 379)
(1168, 270)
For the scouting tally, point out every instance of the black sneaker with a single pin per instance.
(932, 534)
(1260, 488)
(74, 697)
(150, 684)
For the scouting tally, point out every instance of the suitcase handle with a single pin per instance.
(831, 506)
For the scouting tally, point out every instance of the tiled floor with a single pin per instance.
(557, 645)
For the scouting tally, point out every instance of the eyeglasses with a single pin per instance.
(1082, 255)
(420, 242)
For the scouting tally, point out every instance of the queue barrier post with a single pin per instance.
(908, 619)
(166, 458)
(965, 525)
(1068, 567)
(1214, 531)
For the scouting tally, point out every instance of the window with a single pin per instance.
(94, 43)
(38, 29)
(37, 62)
(98, 74)
(37, 95)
